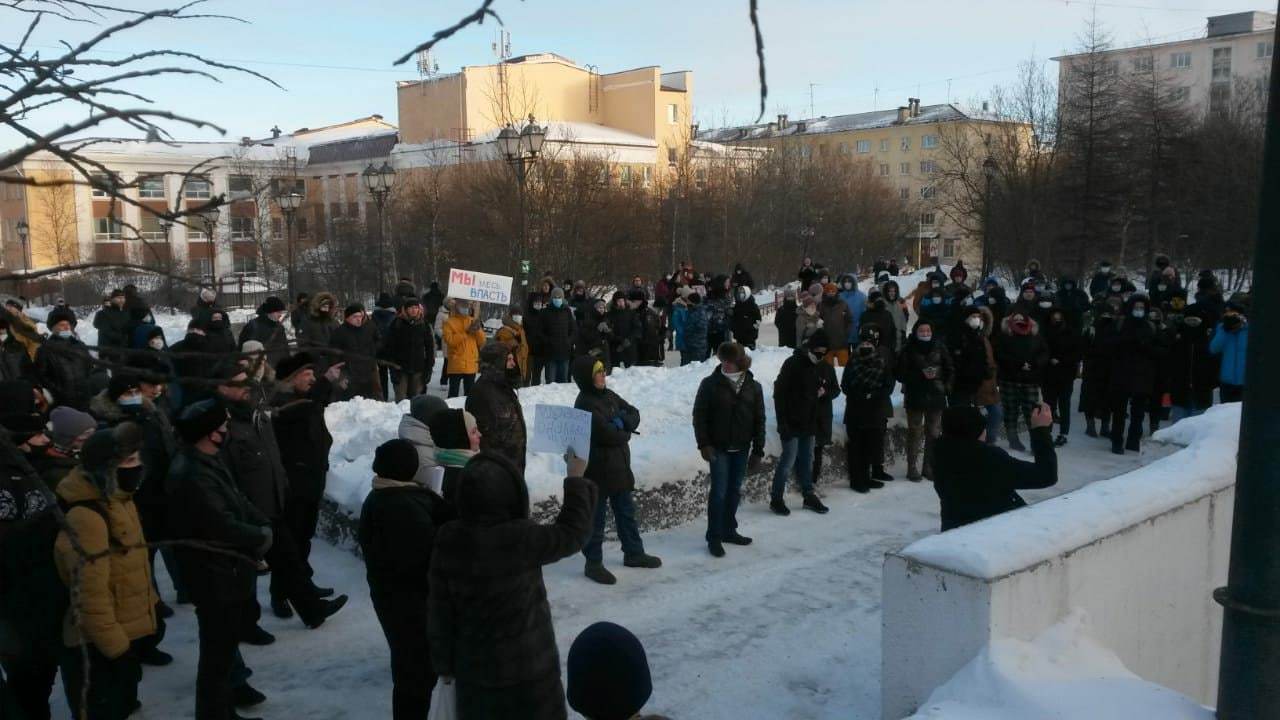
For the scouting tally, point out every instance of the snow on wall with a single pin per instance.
(1063, 673)
(1141, 553)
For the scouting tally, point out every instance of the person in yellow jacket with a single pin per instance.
(463, 338)
(102, 549)
(513, 334)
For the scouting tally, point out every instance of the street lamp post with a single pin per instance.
(989, 171)
(210, 218)
(289, 204)
(166, 225)
(520, 148)
(24, 231)
(378, 181)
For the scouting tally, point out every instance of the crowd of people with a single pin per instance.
(213, 455)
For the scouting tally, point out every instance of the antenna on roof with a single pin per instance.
(502, 45)
(811, 87)
(427, 65)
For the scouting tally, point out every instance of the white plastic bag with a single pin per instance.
(444, 702)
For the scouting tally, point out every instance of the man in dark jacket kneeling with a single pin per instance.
(976, 481)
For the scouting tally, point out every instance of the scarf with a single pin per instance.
(868, 373)
(454, 457)
(736, 379)
(381, 483)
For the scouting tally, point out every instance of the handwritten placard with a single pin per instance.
(559, 427)
(479, 287)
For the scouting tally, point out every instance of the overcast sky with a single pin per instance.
(334, 58)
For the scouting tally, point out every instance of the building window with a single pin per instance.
(700, 177)
(625, 176)
(196, 230)
(1144, 63)
(671, 156)
(950, 247)
(106, 229)
(673, 114)
(928, 218)
(241, 228)
(884, 169)
(240, 185)
(904, 193)
(842, 148)
(100, 183)
(150, 228)
(335, 211)
(245, 264)
(928, 167)
(277, 227)
(1180, 60)
(300, 227)
(884, 145)
(906, 143)
(1219, 97)
(1222, 63)
(904, 168)
(151, 187)
(646, 175)
(353, 209)
(1266, 49)
(1179, 94)
(928, 142)
(822, 150)
(197, 189)
(864, 147)
(926, 192)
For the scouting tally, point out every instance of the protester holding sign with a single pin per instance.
(463, 338)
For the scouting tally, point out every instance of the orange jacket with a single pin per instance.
(462, 345)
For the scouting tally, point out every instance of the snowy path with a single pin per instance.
(786, 628)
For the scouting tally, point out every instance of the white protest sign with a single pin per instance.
(559, 427)
(479, 287)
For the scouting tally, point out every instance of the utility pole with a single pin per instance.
(812, 114)
(1249, 669)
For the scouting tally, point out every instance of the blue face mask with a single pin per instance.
(130, 401)
(557, 302)
(66, 334)
(927, 301)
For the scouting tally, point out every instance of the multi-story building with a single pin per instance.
(902, 147)
(80, 223)
(1204, 74)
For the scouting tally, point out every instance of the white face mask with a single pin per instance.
(156, 343)
(4, 335)
(464, 311)
(517, 319)
(974, 322)
(1139, 313)
(1046, 304)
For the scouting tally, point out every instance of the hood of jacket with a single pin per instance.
(493, 359)
(313, 305)
(79, 486)
(1006, 325)
(884, 289)
(110, 412)
(582, 372)
(492, 490)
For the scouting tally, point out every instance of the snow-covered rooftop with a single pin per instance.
(875, 119)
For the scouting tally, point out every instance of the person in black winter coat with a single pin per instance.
(746, 318)
(970, 354)
(867, 383)
(384, 313)
(926, 372)
(830, 385)
(878, 314)
(1135, 349)
(719, 303)
(728, 426)
(113, 322)
(975, 480)
(355, 344)
(797, 396)
(1096, 376)
(785, 319)
(1022, 356)
(1066, 350)
(1073, 301)
(613, 421)
(63, 364)
(15, 362)
(625, 340)
(304, 439)
(432, 300)
(741, 278)
(267, 329)
(1192, 369)
(495, 405)
(594, 334)
(557, 328)
(398, 524)
(1101, 280)
(203, 493)
(488, 621)
(410, 344)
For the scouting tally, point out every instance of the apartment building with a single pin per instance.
(902, 147)
(1206, 74)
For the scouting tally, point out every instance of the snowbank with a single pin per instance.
(1062, 673)
(1013, 541)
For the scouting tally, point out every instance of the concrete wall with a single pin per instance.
(1146, 588)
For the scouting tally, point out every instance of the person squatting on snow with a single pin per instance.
(797, 395)
(728, 426)
(867, 383)
(613, 421)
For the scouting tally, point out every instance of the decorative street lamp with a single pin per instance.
(289, 204)
(24, 231)
(379, 181)
(166, 225)
(521, 148)
(210, 217)
(988, 170)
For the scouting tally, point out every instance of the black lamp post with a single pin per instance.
(520, 148)
(166, 225)
(289, 204)
(989, 171)
(379, 181)
(24, 231)
(210, 218)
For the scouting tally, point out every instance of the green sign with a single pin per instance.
(524, 266)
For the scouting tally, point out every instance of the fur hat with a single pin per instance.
(272, 304)
(818, 339)
(289, 366)
(106, 448)
(396, 460)
(734, 353)
(384, 301)
(352, 309)
(201, 418)
(121, 383)
(58, 315)
(608, 673)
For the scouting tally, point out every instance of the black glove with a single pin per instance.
(708, 452)
(755, 462)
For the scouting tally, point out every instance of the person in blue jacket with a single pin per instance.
(857, 302)
(1231, 341)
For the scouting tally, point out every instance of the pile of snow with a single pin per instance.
(1063, 673)
(663, 451)
(1206, 464)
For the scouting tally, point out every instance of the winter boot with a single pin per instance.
(1105, 428)
(154, 657)
(715, 548)
(878, 473)
(597, 572)
(860, 488)
(875, 484)
(642, 561)
(779, 507)
(321, 592)
(243, 696)
(1090, 428)
(734, 538)
(258, 637)
(811, 502)
(281, 608)
(324, 610)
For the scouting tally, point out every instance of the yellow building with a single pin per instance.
(637, 118)
(904, 148)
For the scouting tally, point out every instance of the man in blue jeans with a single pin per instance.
(796, 395)
(612, 423)
(728, 424)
